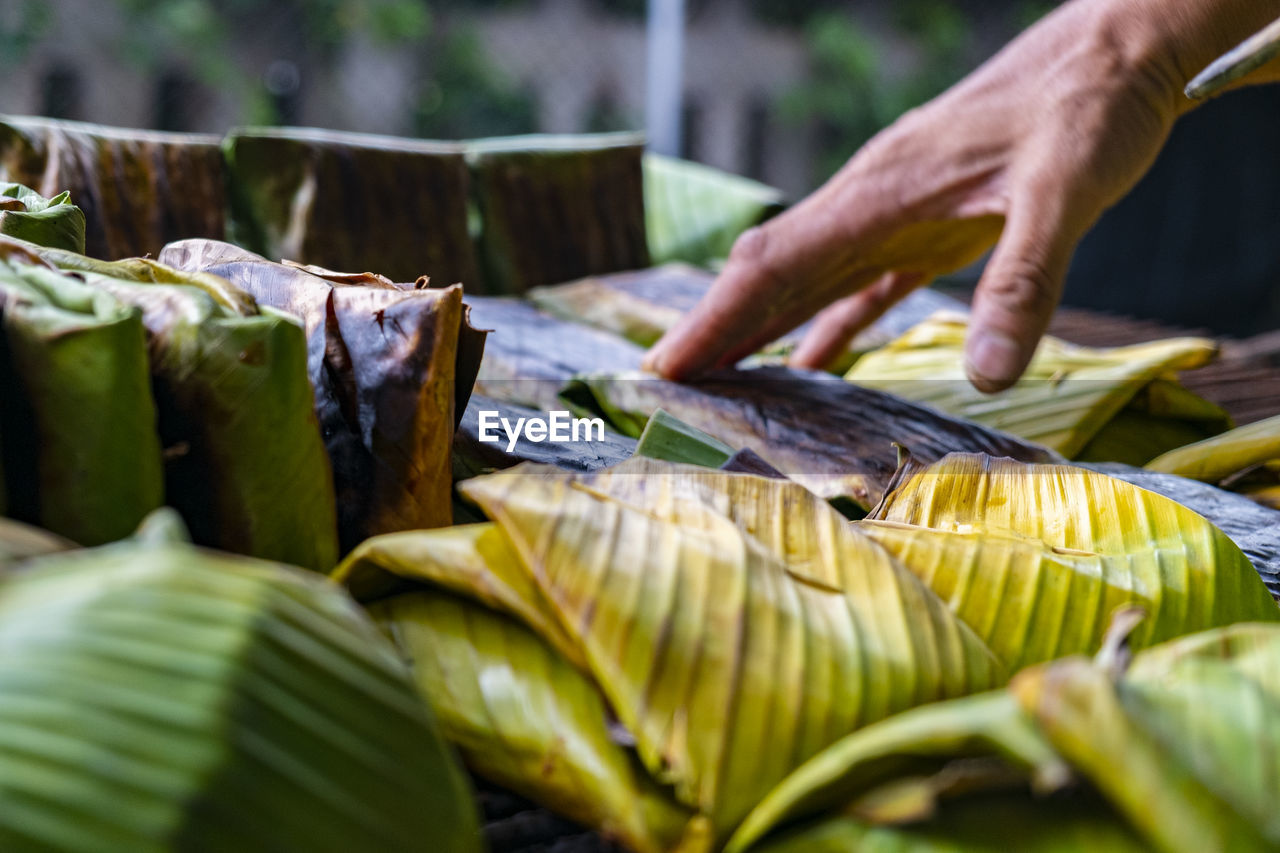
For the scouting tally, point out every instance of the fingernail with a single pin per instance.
(992, 360)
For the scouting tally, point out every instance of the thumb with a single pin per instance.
(1016, 296)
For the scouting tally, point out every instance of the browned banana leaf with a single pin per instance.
(731, 658)
(1037, 558)
(353, 201)
(557, 208)
(524, 718)
(472, 457)
(387, 375)
(138, 189)
(641, 305)
(530, 355)
(836, 438)
(1065, 400)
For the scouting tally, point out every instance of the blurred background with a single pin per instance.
(778, 90)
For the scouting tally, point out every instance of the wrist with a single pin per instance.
(1168, 42)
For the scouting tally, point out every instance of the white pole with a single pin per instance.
(664, 75)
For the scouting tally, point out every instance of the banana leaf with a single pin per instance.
(472, 457)
(978, 824)
(245, 464)
(735, 623)
(1255, 529)
(557, 208)
(641, 305)
(391, 371)
(353, 201)
(158, 697)
(27, 215)
(138, 189)
(834, 437)
(530, 355)
(1217, 459)
(1037, 558)
(1188, 757)
(81, 454)
(1064, 401)
(526, 719)
(693, 213)
(20, 542)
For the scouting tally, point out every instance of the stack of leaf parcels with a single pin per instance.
(1123, 404)
(736, 627)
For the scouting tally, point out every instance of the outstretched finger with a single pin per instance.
(1017, 294)
(837, 325)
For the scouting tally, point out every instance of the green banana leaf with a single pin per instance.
(557, 208)
(525, 718)
(920, 745)
(81, 454)
(693, 213)
(736, 624)
(138, 189)
(1037, 558)
(246, 466)
(979, 824)
(1065, 400)
(835, 438)
(353, 201)
(387, 404)
(158, 697)
(27, 215)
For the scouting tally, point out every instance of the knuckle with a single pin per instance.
(1024, 286)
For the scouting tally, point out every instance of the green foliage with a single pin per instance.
(464, 96)
(26, 22)
(852, 96)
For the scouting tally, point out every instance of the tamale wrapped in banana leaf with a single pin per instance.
(353, 201)
(81, 454)
(245, 464)
(170, 698)
(642, 304)
(557, 208)
(1069, 399)
(27, 215)
(693, 213)
(391, 371)
(139, 189)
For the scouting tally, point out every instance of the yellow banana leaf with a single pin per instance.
(1065, 399)
(472, 560)
(1216, 459)
(525, 718)
(1036, 558)
(731, 658)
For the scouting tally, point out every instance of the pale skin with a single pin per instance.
(1023, 155)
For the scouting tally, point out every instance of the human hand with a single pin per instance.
(1028, 151)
